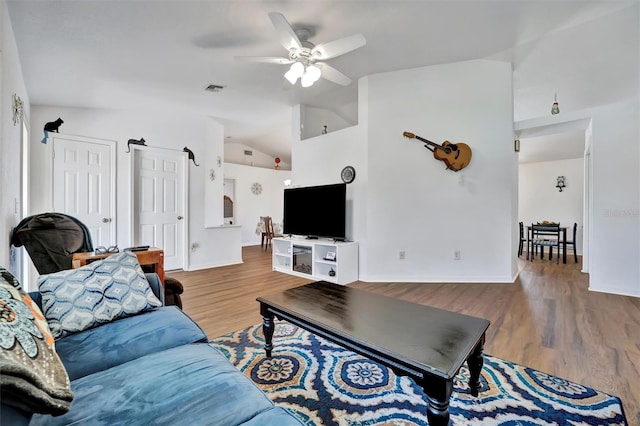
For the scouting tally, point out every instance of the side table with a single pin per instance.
(153, 258)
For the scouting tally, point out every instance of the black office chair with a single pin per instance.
(545, 235)
(522, 239)
(572, 242)
(51, 239)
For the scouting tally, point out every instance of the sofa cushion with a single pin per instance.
(126, 339)
(275, 416)
(191, 385)
(78, 299)
(31, 375)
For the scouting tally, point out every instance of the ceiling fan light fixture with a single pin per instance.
(306, 80)
(291, 77)
(295, 72)
(313, 72)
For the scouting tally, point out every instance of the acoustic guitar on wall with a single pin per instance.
(456, 156)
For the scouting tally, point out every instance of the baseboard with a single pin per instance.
(438, 280)
(213, 265)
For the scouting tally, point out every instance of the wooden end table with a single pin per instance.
(153, 258)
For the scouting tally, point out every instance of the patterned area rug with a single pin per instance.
(324, 384)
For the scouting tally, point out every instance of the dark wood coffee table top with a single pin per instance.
(416, 336)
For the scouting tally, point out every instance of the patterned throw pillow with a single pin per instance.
(32, 376)
(78, 299)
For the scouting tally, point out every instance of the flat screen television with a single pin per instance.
(315, 211)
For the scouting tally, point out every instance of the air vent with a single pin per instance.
(214, 88)
(247, 152)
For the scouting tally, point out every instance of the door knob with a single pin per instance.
(106, 220)
(179, 217)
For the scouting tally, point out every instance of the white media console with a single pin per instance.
(320, 259)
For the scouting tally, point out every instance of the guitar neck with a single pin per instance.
(433, 144)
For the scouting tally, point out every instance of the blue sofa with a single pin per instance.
(153, 368)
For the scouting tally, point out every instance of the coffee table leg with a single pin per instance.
(267, 329)
(475, 362)
(438, 392)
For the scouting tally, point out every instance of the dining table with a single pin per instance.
(548, 227)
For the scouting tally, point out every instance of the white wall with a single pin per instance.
(539, 199)
(314, 119)
(414, 203)
(406, 200)
(320, 160)
(11, 82)
(248, 207)
(234, 153)
(615, 238)
(163, 129)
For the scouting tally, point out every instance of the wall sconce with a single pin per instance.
(560, 185)
(555, 109)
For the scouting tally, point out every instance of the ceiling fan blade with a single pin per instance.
(288, 37)
(338, 47)
(332, 74)
(264, 59)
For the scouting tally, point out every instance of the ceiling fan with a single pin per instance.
(304, 56)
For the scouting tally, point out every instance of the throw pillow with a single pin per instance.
(32, 376)
(100, 292)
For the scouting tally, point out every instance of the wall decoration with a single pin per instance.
(140, 142)
(555, 109)
(324, 129)
(560, 183)
(277, 163)
(51, 126)
(256, 188)
(348, 174)
(456, 156)
(219, 161)
(212, 175)
(191, 155)
(18, 109)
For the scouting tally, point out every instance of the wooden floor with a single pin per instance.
(547, 319)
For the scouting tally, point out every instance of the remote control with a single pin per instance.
(138, 248)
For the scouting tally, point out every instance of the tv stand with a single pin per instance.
(319, 259)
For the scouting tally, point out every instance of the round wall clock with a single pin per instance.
(256, 188)
(348, 174)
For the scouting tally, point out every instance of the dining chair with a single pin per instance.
(572, 242)
(545, 235)
(268, 226)
(264, 231)
(522, 239)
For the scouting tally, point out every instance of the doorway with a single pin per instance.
(229, 201)
(84, 183)
(159, 202)
(548, 153)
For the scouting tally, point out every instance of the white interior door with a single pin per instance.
(84, 184)
(159, 202)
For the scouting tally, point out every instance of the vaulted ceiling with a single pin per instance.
(148, 54)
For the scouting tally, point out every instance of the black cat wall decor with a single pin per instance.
(51, 126)
(140, 141)
(192, 156)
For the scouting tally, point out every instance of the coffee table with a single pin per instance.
(427, 344)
